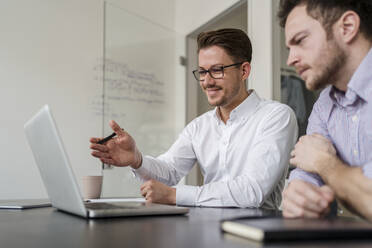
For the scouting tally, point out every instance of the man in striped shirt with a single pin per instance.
(330, 44)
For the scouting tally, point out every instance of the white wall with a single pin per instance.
(51, 52)
(265, 36)
(161, 12)
(191, 14)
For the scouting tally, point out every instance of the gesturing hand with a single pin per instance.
(119, 151)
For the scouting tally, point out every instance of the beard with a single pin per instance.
(332, 59)
(227, 98)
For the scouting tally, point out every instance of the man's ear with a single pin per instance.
(347, 26)
(246, 70)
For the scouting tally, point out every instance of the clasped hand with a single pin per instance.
(303, 199)
(311, 152)
(157, 192)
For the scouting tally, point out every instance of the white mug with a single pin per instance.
(92, 186)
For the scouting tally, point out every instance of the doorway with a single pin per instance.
(196, 102)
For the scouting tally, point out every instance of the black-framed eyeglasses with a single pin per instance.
(216, 71)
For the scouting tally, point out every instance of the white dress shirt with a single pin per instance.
(244, 162)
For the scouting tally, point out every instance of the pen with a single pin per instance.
(104, 140)
(107, 138)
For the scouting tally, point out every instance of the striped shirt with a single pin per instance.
(345, 118)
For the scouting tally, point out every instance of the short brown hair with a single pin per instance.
(235, 42)
(329, 11)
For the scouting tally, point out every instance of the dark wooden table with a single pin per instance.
(47, 227)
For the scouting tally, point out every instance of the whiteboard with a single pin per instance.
(140, 61)
(55, 55)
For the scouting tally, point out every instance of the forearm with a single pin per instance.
(209, 195)
(160, 170)
(349, 184)
(243, 192)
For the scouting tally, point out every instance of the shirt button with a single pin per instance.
(355, 152)
(354, 118)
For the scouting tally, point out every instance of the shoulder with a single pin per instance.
(274, 116)
(324, 99)
(269, 108)
(272, 120)
(200, 121)
(323, 105)
(206, 117)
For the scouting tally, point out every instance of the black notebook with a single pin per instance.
(281, 229)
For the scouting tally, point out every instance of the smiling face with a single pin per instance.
(317, 60)
(229, 91)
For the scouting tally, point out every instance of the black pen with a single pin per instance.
(104, 140)
(107, 138)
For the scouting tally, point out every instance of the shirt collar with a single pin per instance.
(326, 100)
(361, 81)
(359, 86)
(343, 98)
(243, 110)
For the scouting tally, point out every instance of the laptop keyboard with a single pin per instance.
(102, 205)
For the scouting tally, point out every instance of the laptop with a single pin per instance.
(59, 180)
(24, 203)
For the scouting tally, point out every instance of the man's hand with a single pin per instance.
(157, 192)
(311, 152)
(119, 151)
(302, 199)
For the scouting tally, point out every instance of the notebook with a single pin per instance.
(59, 180)
(282, 229)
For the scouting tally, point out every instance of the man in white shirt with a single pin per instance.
(242, 146)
